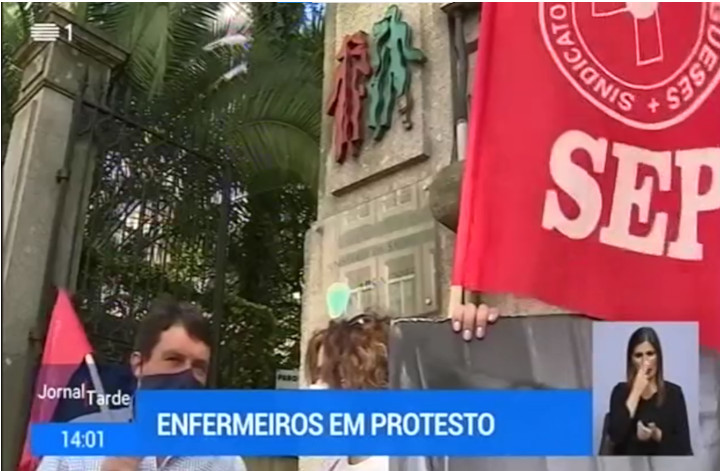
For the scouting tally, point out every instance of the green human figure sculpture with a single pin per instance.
(392, 54)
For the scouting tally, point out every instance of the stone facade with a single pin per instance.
(374, 229)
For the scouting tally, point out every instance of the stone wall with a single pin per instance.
(374, 225)
(374, 228)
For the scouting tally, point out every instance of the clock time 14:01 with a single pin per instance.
(87, 439)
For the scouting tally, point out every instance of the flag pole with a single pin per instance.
(96, 381)
(461, 130)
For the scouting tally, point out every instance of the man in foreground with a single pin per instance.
(172, 351)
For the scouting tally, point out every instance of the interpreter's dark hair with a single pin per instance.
(647, 334)
(165, 312)
(350, 354)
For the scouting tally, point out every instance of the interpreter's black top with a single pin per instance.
(670, 416)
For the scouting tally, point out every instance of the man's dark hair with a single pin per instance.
(165, 312)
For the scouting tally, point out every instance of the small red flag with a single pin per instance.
(592, 179)
(66, 346)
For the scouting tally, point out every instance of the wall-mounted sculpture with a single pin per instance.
(392, 55)
(346, 101)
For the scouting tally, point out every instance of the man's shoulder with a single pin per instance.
(213, 463)
(90, 463)
(106, 416)
(70, 463)
(233, 463)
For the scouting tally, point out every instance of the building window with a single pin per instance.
(401, 286)
(361, 298)
(361, 290)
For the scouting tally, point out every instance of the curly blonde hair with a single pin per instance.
(350, 354)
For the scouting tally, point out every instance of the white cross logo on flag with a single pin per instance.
(648, 34)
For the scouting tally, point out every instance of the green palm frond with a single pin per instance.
(16, 21)
(274, 115)
(269, 115)
(160, 36)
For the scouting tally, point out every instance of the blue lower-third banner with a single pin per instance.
(334, 423)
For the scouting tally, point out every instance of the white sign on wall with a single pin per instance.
(287, 379)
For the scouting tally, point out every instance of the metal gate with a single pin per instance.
(155, 221)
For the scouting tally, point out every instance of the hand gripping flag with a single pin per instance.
(592, 178)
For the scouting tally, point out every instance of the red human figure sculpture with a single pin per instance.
(346, 101)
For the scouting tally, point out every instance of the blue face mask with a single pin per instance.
(182, 380)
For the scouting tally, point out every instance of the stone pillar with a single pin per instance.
(445, 189)
(43, 195)
(375, 230)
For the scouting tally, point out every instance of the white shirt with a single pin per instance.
(373, 463)
(184, 463)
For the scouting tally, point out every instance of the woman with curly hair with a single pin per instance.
(351, 354)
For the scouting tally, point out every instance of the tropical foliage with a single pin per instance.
(236, 89)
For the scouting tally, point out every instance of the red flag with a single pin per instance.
(65, 347)
(592, 178)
